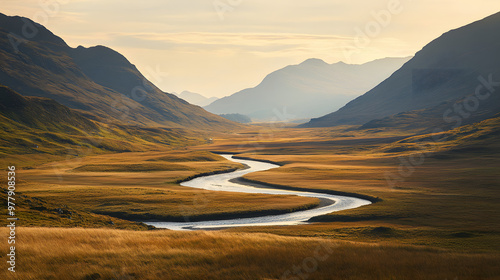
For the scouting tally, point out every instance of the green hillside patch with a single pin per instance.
(184, 156)
(143, 167)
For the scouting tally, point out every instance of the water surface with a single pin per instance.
(221, 182)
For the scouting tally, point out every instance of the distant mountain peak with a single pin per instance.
(196, 98)
(313, 62)
(309, 89)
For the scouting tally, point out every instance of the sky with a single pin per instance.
(219, 47)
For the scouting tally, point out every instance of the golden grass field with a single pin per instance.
(48, 253)
(143, 186)
(440, 221)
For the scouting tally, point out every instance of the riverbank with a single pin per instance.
(226, 182)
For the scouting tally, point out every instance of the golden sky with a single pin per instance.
(218, 47)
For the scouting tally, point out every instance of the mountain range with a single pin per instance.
(98, 82)
(310, 89)
(196, 98)
(452, 81)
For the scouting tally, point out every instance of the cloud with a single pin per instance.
(254, 38)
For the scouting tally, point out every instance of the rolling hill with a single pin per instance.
(310, 89)
(196, 98)
(39, 125)
(447, 70)
(98, 81)
(41, 113)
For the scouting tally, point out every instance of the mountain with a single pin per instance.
(98, 81)
(196, 98)
(239, 118)
(310, 89)
(39, 125)
(431, 119)
(447, 70)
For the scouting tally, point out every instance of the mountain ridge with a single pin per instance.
(196, 98)
(305, 90)
(445, 69)
(98, 81)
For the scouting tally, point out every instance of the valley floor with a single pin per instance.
(437, 216)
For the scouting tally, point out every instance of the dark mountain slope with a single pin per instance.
(98, 81)
(445, 70)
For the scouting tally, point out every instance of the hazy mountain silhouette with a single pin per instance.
(446, 70)
(310, 89)
(196, 98)
(239, 118)
(97, 80)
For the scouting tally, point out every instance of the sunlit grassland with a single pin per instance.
(36, 211)
(449, 200)
(439, 222)
(143, 187)
(47, 253)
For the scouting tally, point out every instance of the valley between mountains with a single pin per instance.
(403, 153)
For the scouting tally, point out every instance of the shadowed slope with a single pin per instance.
(96, 80)
(447, 69)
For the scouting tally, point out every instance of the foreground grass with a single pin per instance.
(47, 253)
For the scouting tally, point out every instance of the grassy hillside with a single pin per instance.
(37, 128)
(439, 118)
(42, 113)
(476, 138)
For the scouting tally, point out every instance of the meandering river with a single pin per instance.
(222, 182)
